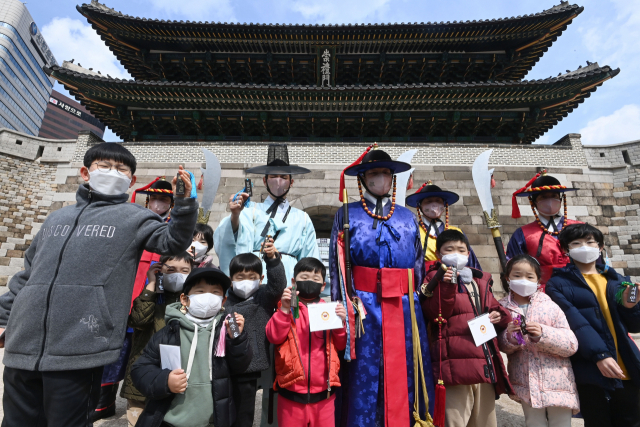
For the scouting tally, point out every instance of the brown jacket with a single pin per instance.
(146, 318)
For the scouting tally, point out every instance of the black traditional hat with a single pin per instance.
(278, 163)
(377, 158)
(430, 190)
(213, 273)
(541, 183)
(157, 186)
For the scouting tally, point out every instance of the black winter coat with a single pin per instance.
(257, 312)
(570, 291)
(151, 380)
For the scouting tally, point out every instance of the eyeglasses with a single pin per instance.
(106, 167)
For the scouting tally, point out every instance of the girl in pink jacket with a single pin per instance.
(538, 344)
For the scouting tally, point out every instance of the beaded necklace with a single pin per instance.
(371, 214)
(545, 229)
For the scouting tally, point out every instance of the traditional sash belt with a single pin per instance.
(389, 285)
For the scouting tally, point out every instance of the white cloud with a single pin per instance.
(621, 126)
(72, 39)
(342, 12)
(200, 10)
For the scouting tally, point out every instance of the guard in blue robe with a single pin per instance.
(384, 245)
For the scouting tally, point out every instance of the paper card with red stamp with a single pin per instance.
(323, 317)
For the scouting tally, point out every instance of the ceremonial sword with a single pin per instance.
(482, 181)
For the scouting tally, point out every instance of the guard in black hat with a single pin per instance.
(384, 259)
(540, 238)
(432, 202)
(251, 223)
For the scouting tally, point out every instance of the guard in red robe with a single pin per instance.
(540, 238)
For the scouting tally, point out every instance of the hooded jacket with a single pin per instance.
(68, 308)
(151, 379)
(462, 362)
(540, 371)
(568, 288)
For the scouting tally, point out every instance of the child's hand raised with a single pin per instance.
(286, 301)
(625, 297)
(269, 248)
(341, 312)
(184, 175)
(239, 322)
(448, 276)
(152, 274)
(177, 381)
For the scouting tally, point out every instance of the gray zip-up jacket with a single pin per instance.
(68, 308)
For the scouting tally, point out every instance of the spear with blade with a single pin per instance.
(482, 181)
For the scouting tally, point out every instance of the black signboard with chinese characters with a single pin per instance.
(76, 112)
(326, 66)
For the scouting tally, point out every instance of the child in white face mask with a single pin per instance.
(472, 375)
(256, 302)
(595, 299)
(202, 245)
(199, 393)
(538, 343)
(165, 280)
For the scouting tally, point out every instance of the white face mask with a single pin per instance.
(456, 260)
(246, 288)
(523, 287)
(173, 282)
(549, 207)
(204, 306)
(278, 186)
(585, 254)
(200, 251)
(433, 210)
(158, 206)
(379, 184)
(110, 183)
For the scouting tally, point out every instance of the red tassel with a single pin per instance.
(200, 183)
(146, 187)
(493, 182)
(357, 162)
(515, 210)
(410, 184)
(439, 405)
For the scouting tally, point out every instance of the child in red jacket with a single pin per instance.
(473, 376)
(307, 363)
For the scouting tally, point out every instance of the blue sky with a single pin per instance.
(606, 32)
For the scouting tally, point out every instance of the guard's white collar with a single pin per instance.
(373, 199)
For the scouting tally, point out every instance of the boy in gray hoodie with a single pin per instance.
(66, 313)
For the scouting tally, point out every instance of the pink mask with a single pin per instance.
(278, 186)
(159, 207)
(379, 184)
(549, 207)
(433, 210)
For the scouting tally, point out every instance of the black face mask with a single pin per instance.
(308, 289)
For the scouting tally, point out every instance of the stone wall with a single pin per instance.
(607, 197)
(32, 173)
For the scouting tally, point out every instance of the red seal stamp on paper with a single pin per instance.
(325, 315)
(483, 329)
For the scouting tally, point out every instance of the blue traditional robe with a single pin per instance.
(395, 243)
(297, 238)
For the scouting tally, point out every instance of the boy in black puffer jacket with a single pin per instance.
(595, 299)
(256, 303)
(199, 393)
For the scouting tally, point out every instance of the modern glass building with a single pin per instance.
(24, 87)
